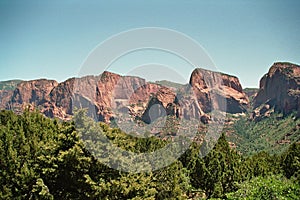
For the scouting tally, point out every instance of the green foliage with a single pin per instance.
(47, 159)
(260, 164)
(22, 141)
(218, 172)
(273, 134)
(41, 191)
(43, 158)
(9, 85)
(265, 188)
(291, 162)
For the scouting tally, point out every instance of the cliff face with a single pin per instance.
(109, 93)
(122, 94)
(163, 103)
(207, 91)
(101, 94)
(34, 92)
(5, 99)
(218, 91)
(280, 88)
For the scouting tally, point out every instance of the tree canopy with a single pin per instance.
(42, 158)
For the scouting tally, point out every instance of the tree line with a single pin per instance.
(42, 158)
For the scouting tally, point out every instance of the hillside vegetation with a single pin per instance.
(9, 85)
(42, 158)
(272, 134)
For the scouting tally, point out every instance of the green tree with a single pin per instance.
(216, 173)
(265, 188)
(291, 162)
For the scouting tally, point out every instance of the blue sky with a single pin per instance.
(51, 39)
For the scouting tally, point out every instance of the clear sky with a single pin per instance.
(51, 39)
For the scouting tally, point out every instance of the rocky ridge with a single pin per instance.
(216, 91)
(108, 94)
(279, 90)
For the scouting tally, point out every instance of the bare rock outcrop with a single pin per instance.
(34, 92)
(5, 99)
(163, 103)
(108, 94)
(280, 88)
(216, 91)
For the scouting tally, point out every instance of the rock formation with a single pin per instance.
(280, 89)
(109, 94)
(216, 91)
(163, 103)
(5, 97)
(34, 92)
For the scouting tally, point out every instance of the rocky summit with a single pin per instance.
(109, 96)
(279, 90)
(217, 91)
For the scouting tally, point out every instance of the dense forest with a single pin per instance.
(42, 158)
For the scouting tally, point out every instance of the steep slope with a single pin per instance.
(273, 124)
(280, 89)
(109, 94)
(273, 134)
(101, 94)
(5, 99)
(218, 91)
(34, 92)
(206, 92)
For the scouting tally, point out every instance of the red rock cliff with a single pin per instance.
(218, 91)
(280, 88)
(109, 93)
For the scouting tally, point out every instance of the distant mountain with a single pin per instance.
(270, 121)
(264, 119)
(274, 121)
(279, 90)
(218, 91)
(250, 92)
(169, 84)
(109, 93)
